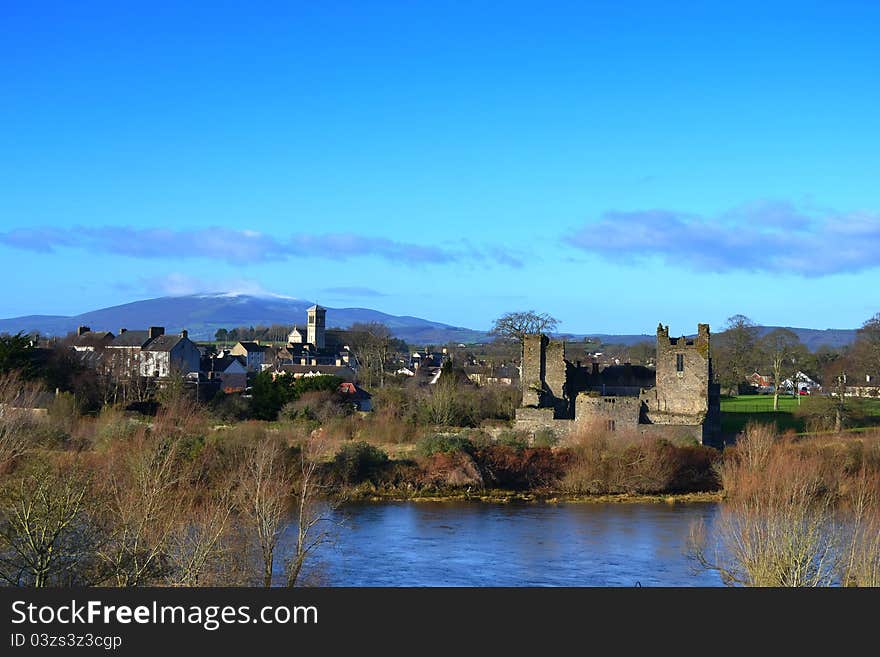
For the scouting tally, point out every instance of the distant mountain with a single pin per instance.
(203, 314)
(815, 338)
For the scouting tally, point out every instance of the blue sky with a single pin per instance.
(613, 164)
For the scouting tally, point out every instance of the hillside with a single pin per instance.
(811, 338)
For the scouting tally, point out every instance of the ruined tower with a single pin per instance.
(533, 367)
(685, 393)
(544, 375)
(316, 326)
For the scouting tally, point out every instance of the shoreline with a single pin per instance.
(515, 497)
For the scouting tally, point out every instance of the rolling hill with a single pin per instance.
(203, 314)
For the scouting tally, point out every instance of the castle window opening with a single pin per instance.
(609, 425)
(679, 362)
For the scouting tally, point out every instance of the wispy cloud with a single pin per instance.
(343, 246)
(242, 246)
(354, 292)
(762, 236)
(505, 257)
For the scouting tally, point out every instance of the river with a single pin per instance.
(479, 544)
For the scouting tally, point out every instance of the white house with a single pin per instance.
(168, 354)
(804, 383)
(253, 353)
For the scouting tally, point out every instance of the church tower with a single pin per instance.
(316, 325)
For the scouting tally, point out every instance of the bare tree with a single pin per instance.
(734, 351)
(142, 507)
(835, 381)
(196, 542)
(17, 402)
(371, 343)
(443, 404)
(263, 494)
(860, 565)
(314, 510)
(777, 526)
(125, 381)
(865, 352)
(41, 542)
(783, 350)
(517, 325)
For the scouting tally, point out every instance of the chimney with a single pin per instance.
(156, 331)
(183, 333)
(122, 330)
(82, 329)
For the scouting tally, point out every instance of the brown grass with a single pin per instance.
(627, 462)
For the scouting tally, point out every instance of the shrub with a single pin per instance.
(511, 439)
(616, 463)
(112, 424)
(318, 405)
(64, 412)
(508, 467)
(230, 407)
(357, 462)
(450, 470)
(545, 438)
(441, 443)
(395, 403)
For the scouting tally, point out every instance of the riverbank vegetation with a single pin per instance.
(796, 512)
(181, 493)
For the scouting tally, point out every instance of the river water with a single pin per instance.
(478, 544)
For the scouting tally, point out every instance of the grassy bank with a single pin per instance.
(804, 415)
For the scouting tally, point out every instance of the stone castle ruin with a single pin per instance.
(678, 397)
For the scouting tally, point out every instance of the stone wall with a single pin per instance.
(533, 369)
(536, 419)
(623, 411)
(554, 379)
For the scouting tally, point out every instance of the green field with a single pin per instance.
(736, 412)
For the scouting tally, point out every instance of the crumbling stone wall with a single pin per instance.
(601, 411)
(536, 419)
(533, 369)
(555, 378)
(544, 375)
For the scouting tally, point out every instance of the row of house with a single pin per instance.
(854, 386)
(800, 382)
(153, 354)
(150, 353)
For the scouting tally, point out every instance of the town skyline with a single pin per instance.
(203, 313)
